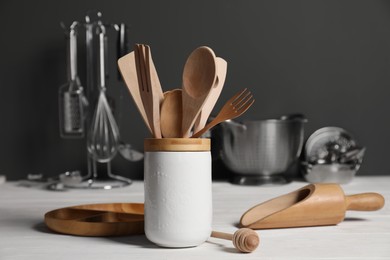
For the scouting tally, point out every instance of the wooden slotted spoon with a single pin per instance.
(233, 108)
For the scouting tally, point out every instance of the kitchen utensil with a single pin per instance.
(354, 155)
(154, 79)
(259, 152)
(213, 96)
(233, 108)
(127, 67)
(199, 76)
(123, 219)
(130, 154)
(71, 95)
(104, 134)
(155, 85)
(312, 205)
(245, 240)
(150, 94)
(122, 43)
(171, 114)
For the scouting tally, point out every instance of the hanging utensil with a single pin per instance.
(104, 137)
(71, 95)
(122, 43)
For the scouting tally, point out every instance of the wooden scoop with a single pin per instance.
(312, 205)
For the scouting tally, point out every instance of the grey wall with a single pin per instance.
(327, 59)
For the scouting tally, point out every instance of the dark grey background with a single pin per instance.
(327, 59)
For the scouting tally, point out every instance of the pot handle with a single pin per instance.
(294, 117)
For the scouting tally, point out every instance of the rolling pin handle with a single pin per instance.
(364, 202)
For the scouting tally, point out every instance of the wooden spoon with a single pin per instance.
(199, 76)
(171, 114)
(215, 92)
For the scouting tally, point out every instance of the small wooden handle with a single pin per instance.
(364, 201)
(245, 239)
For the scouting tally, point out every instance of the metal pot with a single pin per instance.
(259, 152)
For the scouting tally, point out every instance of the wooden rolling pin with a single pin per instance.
(245, 239)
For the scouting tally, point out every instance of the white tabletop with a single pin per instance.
(23, 234)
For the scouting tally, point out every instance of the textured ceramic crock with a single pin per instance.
(178, 199)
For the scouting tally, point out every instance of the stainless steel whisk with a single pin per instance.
(103, 139)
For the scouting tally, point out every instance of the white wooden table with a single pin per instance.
(23, 234)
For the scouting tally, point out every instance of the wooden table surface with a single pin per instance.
(23, 234)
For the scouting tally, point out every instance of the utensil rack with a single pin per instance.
(93, 23)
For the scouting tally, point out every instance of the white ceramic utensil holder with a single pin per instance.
(178, 199)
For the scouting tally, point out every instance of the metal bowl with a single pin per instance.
(331, 155)
(259, 152)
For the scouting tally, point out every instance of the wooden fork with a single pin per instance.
(233, 108)
(150, 99)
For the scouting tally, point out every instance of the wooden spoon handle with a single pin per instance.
(365, 201)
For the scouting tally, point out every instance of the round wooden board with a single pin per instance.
(113, 219)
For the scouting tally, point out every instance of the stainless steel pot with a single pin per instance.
(259, 152)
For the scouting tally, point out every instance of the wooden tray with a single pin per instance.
(114, 219)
